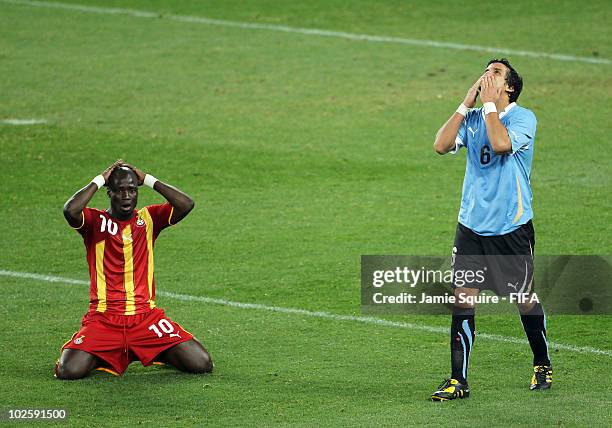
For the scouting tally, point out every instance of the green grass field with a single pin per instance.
(302, 152)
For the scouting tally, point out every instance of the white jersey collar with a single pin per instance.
(507, 109)
(502, 113)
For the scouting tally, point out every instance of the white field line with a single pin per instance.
(308, 31)
(318, 314)
(22, 121)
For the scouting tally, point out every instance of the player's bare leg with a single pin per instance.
(528, 306)
(75, 364)
(189, 356)
(463, 293)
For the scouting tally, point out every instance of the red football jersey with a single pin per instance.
(120, 258)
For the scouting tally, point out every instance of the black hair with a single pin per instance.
(513, 79)
(120, 172)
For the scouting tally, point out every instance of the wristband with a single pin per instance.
(99, 181)
(149, 180)
(462, 110)
(489, 108)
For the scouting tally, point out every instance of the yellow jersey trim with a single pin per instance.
(82, 223)
(170, 216)
(100, 279)
(128, 271)
(519, 211)
(146, 217)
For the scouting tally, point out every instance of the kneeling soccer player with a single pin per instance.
(123, 324)
(495, 215)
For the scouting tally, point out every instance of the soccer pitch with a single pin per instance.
(304, 132)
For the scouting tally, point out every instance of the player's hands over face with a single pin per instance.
(490, 89)
(107, 172)
(139, 173)
(470, 97)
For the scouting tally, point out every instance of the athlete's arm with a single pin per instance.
(446, 135)
(181, 203)
(73, 208)
(496, 131)
(498, 134)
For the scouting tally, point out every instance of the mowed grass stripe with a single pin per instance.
(310, 31)
(316, 314)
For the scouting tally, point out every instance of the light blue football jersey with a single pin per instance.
(496, 196)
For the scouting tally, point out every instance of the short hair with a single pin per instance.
(513, 79)
(119, 172)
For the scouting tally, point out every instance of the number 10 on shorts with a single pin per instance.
(165, 326)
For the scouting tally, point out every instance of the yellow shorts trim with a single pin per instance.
(107, 370)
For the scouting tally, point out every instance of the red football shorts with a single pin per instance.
(120, 339)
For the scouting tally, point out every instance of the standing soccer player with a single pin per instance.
(495, 215)
(123, 323)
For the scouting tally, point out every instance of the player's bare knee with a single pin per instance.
(208, 364)
(202, 364)
(190, 357)
(69, 371)
(525, 308)
(199, 360)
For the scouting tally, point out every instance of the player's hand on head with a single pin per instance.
(472, 94)
(139, 173)
(107, 172)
